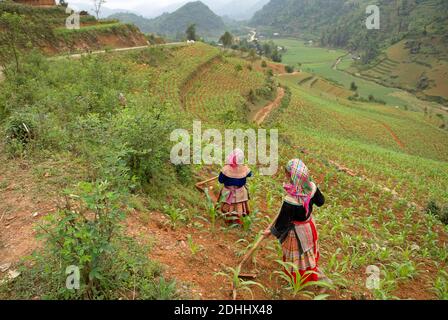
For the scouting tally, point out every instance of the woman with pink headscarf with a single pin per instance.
(295, 227)
(234, 196)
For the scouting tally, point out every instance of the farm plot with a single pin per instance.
(221, 87)
(170, 77)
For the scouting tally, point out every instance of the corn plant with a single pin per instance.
(276, 250)
(212, 208)
(388, 283)
(249, 220)
(441, 285)
(175, 215)
(238, 284)
(194, 247)
(405, 270)
(299, 283)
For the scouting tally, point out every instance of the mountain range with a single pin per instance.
(175, 23)
(233, 9)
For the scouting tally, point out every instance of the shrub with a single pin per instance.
(87, 233)
(432, 208)
(264, 64)
(20, 130)
(289, 69)
(140, 135)
(21, 127)
(444, 215)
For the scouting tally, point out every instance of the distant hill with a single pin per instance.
(341, 23)
(175, 23)
(141, 22)
(409, 51)
(241, 10)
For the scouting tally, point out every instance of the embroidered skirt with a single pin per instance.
(234, 203)
(301, 248)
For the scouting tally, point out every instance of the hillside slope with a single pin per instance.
(44, 28)
(65, 128)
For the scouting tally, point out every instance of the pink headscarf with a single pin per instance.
(301, 186)
(235, 158)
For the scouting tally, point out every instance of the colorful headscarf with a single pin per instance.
(301, 186)
(235, 158)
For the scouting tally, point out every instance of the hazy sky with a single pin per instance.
(130, 4)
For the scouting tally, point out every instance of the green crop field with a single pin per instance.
(320, 61)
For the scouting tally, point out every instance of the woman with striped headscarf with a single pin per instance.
(295, 227)
(234, 196)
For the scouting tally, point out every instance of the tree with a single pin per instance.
(267, 49)
(226, 39)
(191, 32)
(13, 39)
(97, 6)
(252, 54)
(353, 86)
(276, 56)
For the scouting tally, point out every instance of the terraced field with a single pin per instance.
(321, 62)
(172, 75)
(221, 87)
(400, 68)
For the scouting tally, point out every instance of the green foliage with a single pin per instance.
(297, 285)
(233, 275)
(13, 38)
(87, 233)
(20, 131)
(175, 215)
(289, 69)
(433, 208)
(191, 32)
(441, 285)
(194, 247)
(212, 208)
(226, 39)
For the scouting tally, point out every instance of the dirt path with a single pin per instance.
(338, 61)
(394, 136)
(78, 55)
(263, 113)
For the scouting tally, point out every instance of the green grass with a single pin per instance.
(299, 52)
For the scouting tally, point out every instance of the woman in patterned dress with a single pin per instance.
(295, 227)
(234, 196)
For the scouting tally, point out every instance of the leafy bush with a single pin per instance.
(444, 215)
(441, 212)
(433, 208)
(20, 130)
(88, 234)
(143, 135)
(289, 69)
